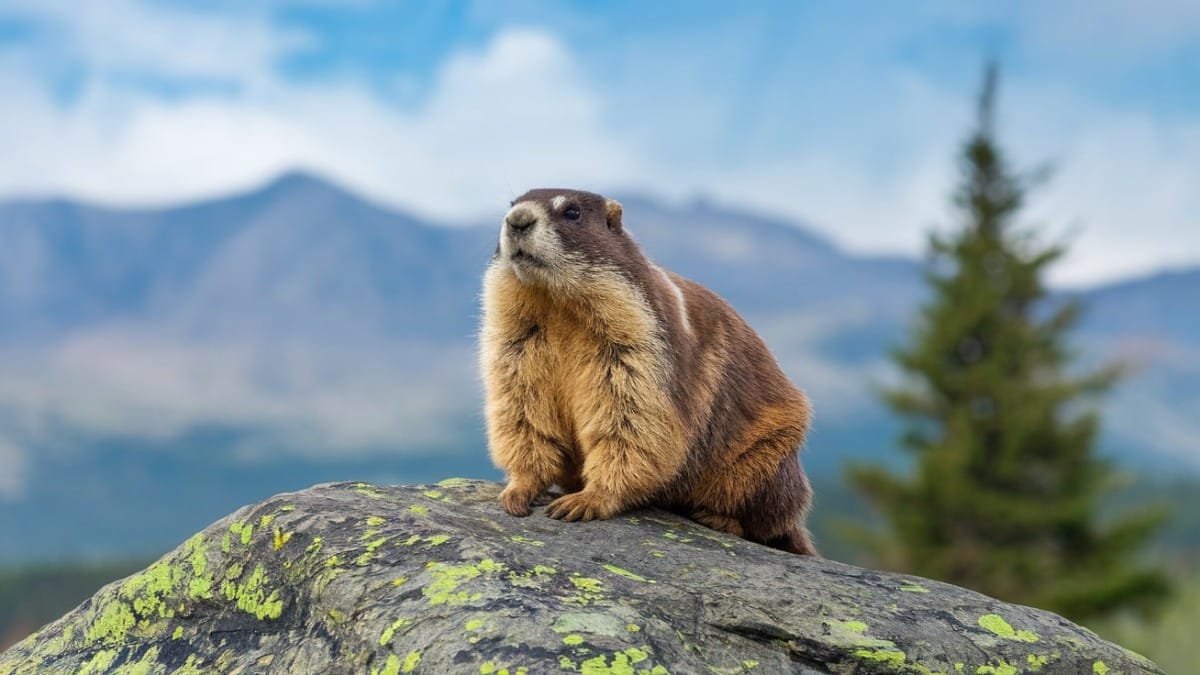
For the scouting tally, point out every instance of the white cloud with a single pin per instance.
(1130, 186)
(114, 37)
(1122, 193)
(514, 115)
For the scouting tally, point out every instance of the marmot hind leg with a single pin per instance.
(775, 516)
(718, 522)
(795, 540)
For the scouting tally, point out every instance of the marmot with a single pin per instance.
(627, 385)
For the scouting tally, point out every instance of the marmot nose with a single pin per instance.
(520, 220)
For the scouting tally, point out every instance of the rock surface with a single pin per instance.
(437, 579)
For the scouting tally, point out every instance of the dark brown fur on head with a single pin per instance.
(587, 232)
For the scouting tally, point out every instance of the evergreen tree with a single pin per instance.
(1007, 489)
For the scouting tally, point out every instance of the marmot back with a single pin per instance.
(627, 385)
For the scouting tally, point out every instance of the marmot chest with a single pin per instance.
(561, 361)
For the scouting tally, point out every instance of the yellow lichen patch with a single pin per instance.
(587, 584)
(148, 591)
(913, 588)
(200, 585)
(453, 482)
(893, 658)
(114, 621)
(636, 655)
(368, 490)
(627, 574)
(325, 578)
(749, 664)
(590, 589)
(633, 627)
(622, 664)
(1100, 668)
(410, 662)
(525, 540)
(419, 510)
(996, 624)
(265, 521)
(390, 631)
(447, 578)
(252, 596)
(243, 531)
(399, 581)
(474, 624)
(146, 598)
(190, 667)
(302, 567)
(287, 507)
(390, 667)
(853, 634)
(369, 552)
(100, 662)
(435, 540)
(178, 634)
(531, 578)
(281, 538)
(375, 521)
(194, 549)
(573, 640)
(1036, 662)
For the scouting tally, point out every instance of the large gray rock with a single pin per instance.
(437, 579)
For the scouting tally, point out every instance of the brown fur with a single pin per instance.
(602, 381)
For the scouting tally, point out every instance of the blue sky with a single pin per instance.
(842, 115)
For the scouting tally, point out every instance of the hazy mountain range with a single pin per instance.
(160, 367)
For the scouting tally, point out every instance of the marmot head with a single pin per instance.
(556, 237)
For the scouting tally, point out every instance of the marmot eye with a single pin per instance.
(572, 213)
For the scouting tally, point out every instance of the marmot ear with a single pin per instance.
(612, 214)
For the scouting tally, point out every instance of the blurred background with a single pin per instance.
(241, 243)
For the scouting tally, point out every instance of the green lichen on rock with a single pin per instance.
(996, 624)
(359, 578)
(627, 574)
(254, 595)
